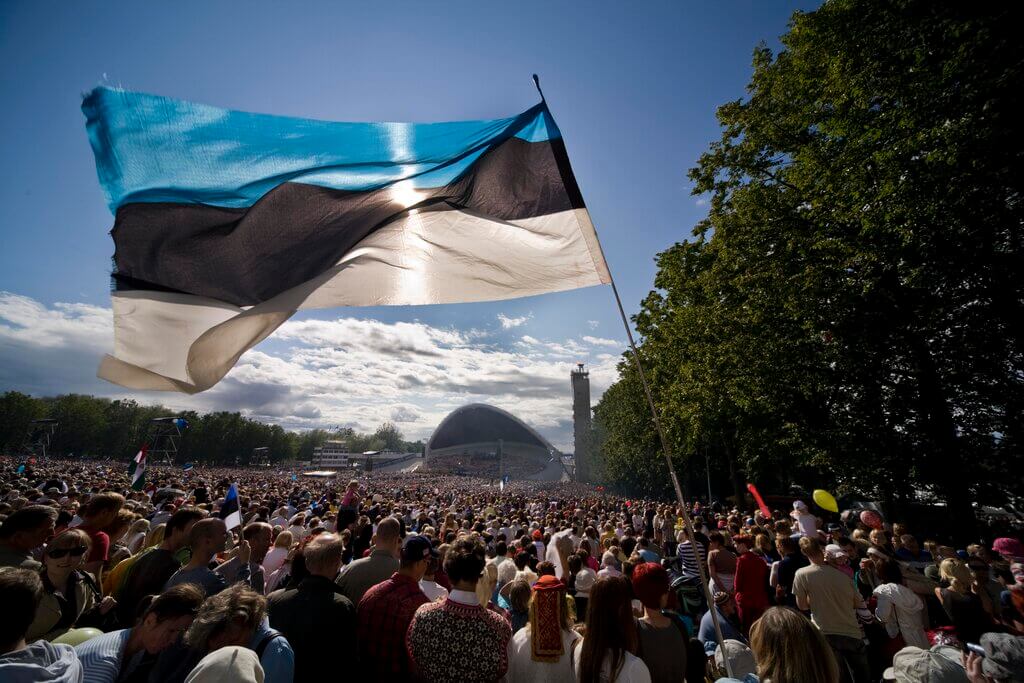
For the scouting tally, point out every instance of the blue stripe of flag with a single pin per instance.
(156, 149)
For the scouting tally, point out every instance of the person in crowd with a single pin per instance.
(116, 532)
(129, 655)
(232, 663)
(662, 644)
(961, 603)
(728, 621)
(277, 555)
(359, 576)
(258, 535)
(911, 552)
(21, 591)
(542, 650)
(899, 608)
(207, 538)
(583, 582)
(607, 653)
(98, 514)
(833, 601)
(690, 552)
(750, 582)
(235, 617)
(791, 561)
(789, 649)
(135, 539)
(941, 664)
(517, 602)
(386, 610)
(315, 616)
(148, 571)
(806, 523)
(24, 531)
(483, 635)
(1003, 661)
(429, 585)
(71, 597)
(741, 662)
(721, 564)
(610, 565)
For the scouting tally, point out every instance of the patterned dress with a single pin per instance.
(452, 641)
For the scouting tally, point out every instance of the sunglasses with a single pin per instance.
(57, 553)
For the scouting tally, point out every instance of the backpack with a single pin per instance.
(116, 578)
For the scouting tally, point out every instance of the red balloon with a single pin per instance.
(871, 518)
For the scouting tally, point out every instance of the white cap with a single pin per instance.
(914, 665)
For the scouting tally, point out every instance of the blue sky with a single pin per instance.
(633, 86)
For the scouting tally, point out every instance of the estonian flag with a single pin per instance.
(229, 510)
(137, 469)
(227, 223)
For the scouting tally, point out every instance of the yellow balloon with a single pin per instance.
(825, 500)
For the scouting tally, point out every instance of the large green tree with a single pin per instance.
(849, 313)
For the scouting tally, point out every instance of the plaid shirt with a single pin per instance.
(382, 619)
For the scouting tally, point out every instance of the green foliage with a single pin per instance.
(99, 427)
(849, 313)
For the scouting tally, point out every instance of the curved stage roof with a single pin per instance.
(475, 429)
(481, 423)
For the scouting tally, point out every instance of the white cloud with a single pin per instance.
(508, 323)
(593, 324)
(599, 341)
(322, 372)
(701, 202)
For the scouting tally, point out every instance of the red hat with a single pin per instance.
(537, 534)
(650, 583)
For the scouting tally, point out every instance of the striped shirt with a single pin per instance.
(101, 656)
(688, 560)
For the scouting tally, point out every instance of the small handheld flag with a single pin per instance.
(137, 469)
(229, 511)
(188, 467)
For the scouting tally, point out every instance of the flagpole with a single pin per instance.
(702, 570)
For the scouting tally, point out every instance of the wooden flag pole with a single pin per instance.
(702, 570)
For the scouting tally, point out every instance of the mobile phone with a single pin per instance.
(976, 649)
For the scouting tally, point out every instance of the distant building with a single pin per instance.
(486, 441)
(581, 431)
(333, 454)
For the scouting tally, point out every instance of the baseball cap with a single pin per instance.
(1004, 655)
(416, 548)
(741, 658)
(914, 665)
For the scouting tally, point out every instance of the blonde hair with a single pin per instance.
(958, 575)
(789, 649)
(283, 540)
(155, 536)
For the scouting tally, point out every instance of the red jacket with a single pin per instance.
(751, 580)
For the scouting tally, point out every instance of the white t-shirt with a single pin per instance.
(523, 669)
(433, 590)
(807, 524)
(633, 669)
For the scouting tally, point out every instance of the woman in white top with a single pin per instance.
(542, 650)
(899, 607)
(298, 527)
(606, 654)
(278, 554)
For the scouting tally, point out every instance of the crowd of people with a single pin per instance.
(410, 576)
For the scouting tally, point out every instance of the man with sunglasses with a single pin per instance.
(24, 531)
